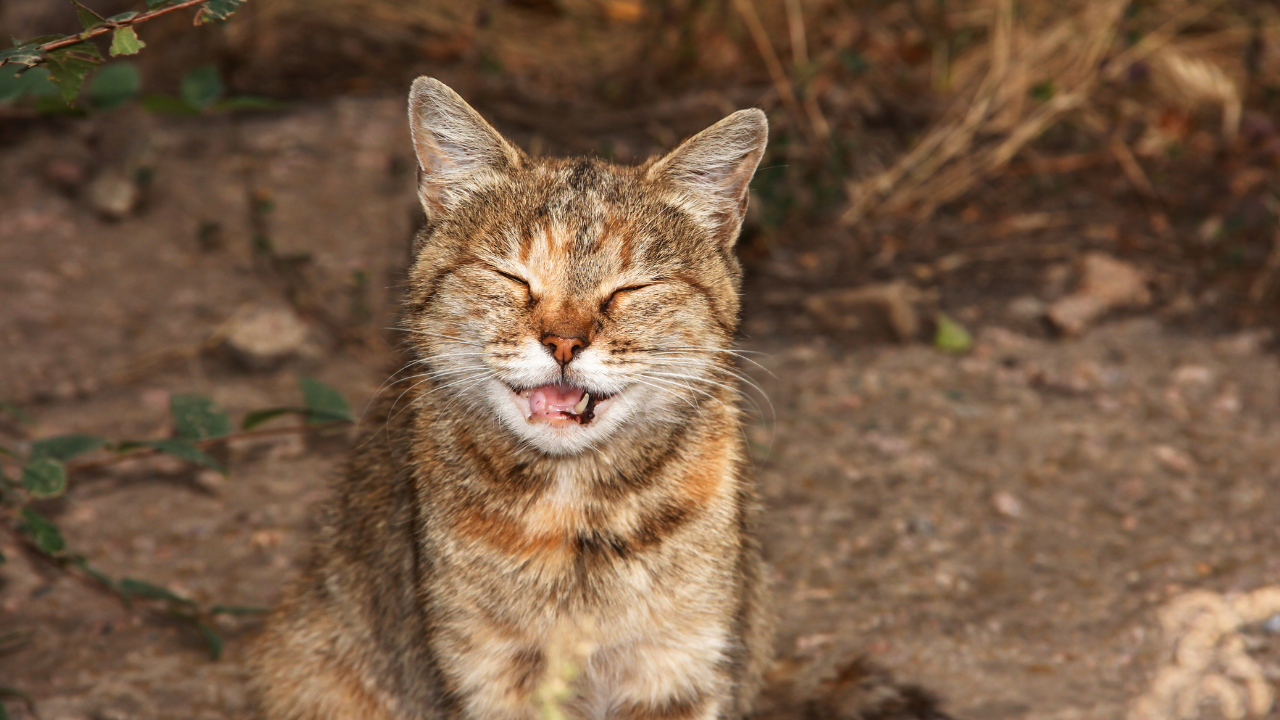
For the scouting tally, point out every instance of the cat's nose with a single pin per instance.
(563, 349)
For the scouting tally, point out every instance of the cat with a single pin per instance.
(556, 518)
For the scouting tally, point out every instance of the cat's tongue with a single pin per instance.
(554, 402)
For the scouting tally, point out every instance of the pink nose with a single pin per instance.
(563, 349)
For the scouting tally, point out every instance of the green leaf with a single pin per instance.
(42, 532)
(125, 41)
(131, 588)
(44, 478)
(211, 638)
(114, 85)
(258, 417)
(153, 4)
(7, 452)
(88, 18)
(238, 610)
(201, 87)
(166, 105)
(65, 447)
(22, 54)
(951, 336)
(185, 450)
(196, 417)
(67, 68)
(217, 10)
(323, 402)
(8, 407)
(31, 83)
(122, 17)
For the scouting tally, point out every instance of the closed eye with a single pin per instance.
(604, 306)
(512, 278)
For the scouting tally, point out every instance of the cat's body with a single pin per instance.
(561, 495)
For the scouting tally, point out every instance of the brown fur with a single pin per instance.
(465, 543)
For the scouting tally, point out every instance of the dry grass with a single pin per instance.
(1069, 59)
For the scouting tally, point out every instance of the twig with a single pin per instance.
(761, 37)
(799, 45)
(110, 25)
(202, 444)
(1132, 170)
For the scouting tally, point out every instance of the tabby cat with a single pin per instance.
(568, 469)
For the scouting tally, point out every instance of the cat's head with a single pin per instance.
(574, 302)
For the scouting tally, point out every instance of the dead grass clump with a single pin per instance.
(1034, 70)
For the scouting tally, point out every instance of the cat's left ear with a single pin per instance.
(457, 150)
(709, 173)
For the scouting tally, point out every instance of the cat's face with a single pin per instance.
(571, 302)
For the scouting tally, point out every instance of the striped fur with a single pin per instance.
(465, 543)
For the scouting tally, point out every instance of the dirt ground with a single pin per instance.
(999, 527)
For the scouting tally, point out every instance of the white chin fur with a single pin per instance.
(561, 438)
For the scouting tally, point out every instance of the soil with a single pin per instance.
(998, 526)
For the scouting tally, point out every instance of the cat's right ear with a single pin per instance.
(457, 150)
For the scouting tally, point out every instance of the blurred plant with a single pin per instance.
(51, 69)
(69, 58)
(199, 426)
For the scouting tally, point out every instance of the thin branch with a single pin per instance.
(111, 25)
(202, 444)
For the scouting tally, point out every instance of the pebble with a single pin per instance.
(1105, 284)
(263, 336)
(113, 195)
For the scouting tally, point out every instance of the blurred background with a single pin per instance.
(1012, 269)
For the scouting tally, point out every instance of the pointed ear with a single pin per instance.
(709, 172)
(457, 150)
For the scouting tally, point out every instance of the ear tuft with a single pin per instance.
(710, 171)
(457, 150)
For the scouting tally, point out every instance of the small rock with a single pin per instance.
(1192, 375)
(113, 194)
(888, 305)
(263, 336)
(1027, 308)
(1250, 342)
(1007, 505)
(1105, 284)
(1174, 459)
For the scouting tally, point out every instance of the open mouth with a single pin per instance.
(559, 404)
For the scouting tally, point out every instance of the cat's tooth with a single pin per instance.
(582, 404)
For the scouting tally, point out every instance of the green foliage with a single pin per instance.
(125, 41)
(66, 447)
(323, 402)
(195, 417)
(43, 533)
(27, 54)
(68, 67)
(70, 58)
(88, 18)
(951, 336)
(114, 85)
(217, 10)
(202, 87)
(44, 478)
(199, 424)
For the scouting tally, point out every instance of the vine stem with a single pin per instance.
(109, 26)
(202, 444)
